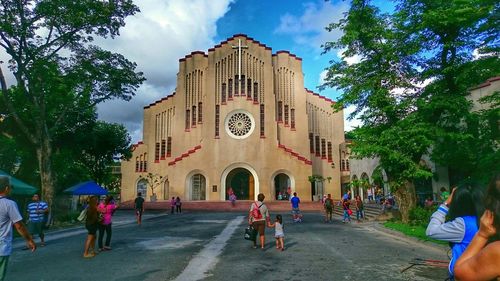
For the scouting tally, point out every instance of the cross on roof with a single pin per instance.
(239, 47)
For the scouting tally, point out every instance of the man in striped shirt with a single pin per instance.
(36, 213)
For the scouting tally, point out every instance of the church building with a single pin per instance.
(239, 122)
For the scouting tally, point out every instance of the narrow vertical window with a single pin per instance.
(262, 120)
(342, 165)
(137, 164)
(249, 89)
(223, 93)
(255, 92)
(242, 85)
(330, 155)
(193, 119)
(311, 142)
(347, 164)
(236, 86)
(145, 162)
(187, 119)
(280, 111)
(217, 121)
(200, 113)
(157, 151)
(323, 149)
(230, 90)
(163, 150)
(316, 147)
(292, 118)
(169, 146)
(286, 115)
(141, 164)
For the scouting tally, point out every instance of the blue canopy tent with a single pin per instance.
(86, 188)
(19, 187)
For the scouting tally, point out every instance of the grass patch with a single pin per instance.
(416, 231)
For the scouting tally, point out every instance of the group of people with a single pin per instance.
(259, 218)
(99, 217)
(470, 222)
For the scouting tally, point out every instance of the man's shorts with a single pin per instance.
(138, 212)
(3, 266)
(35, 227)
(295, 211)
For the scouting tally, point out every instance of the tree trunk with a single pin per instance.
(44, 155)
(406, 199)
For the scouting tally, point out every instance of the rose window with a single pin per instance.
(239, 124)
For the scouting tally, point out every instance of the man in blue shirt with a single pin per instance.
(295, 208)
(9, 216)
(36, 212)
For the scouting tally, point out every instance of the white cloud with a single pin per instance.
(349, 60)
(156, 39)
(350, 124)
(309, 28)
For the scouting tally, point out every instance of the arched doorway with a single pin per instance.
(364, 184)
(142, 187)
(166, 190)
(282, 187)
(242, 183)
(198, 187)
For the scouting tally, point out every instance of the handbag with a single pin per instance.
(250, 233)
(83, 215)
(349, 211)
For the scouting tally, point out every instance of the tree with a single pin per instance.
(154, 180)
(408, 88)
(58, 71)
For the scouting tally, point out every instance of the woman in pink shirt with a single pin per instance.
(107, 209)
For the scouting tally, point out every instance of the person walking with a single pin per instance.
(107, 209)
(91, 224)
(457, 221)
(257, 217)
(295, 201)
(36, 215)
(178, 205)
(328, 205)
(232, 199)
(347, 211)
(279, 233)
(359, 208)
(10, 216)
(172, 205)
(139, 207)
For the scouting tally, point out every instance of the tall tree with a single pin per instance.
(408, 88)
(58, 70)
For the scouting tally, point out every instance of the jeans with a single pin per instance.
(346, 216)
(359, 214)
(104, 228)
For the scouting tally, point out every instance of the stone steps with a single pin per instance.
(371, 210)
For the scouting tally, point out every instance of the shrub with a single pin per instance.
(420, 216)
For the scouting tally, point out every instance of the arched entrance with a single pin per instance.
(142, 187)
(198, 187)
(242, 183)
(166, 190)
(282, 187)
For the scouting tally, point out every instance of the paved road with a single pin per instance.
(210, 246)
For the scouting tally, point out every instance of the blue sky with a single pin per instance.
(167, 30)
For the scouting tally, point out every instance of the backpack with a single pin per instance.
(328, 203)
(256, 214)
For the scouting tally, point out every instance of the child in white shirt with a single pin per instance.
(278, 232)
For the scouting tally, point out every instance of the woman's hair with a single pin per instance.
(467, 201)
(261, 197)
(492, 202)
(279, 219)
(93, 201)
(108, 199)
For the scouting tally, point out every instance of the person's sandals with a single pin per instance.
(107, 248)
(42, 244)
(255, 247)
(88, 256)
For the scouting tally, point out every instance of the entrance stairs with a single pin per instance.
(372, 211)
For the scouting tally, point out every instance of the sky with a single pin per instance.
(167, 30)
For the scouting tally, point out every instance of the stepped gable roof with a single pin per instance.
(234, 37)
(319, 96)
(485, 84)
(193, 54)
(159, 101)
(287, 52)
(134, 146)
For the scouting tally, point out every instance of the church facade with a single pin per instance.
(240, 122)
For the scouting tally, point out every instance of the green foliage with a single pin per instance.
(416, 231)
(60, 76)
(420, 216)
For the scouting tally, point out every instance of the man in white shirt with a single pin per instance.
(9, 216)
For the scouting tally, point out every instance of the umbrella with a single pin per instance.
(19, 187)
(86, 188)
